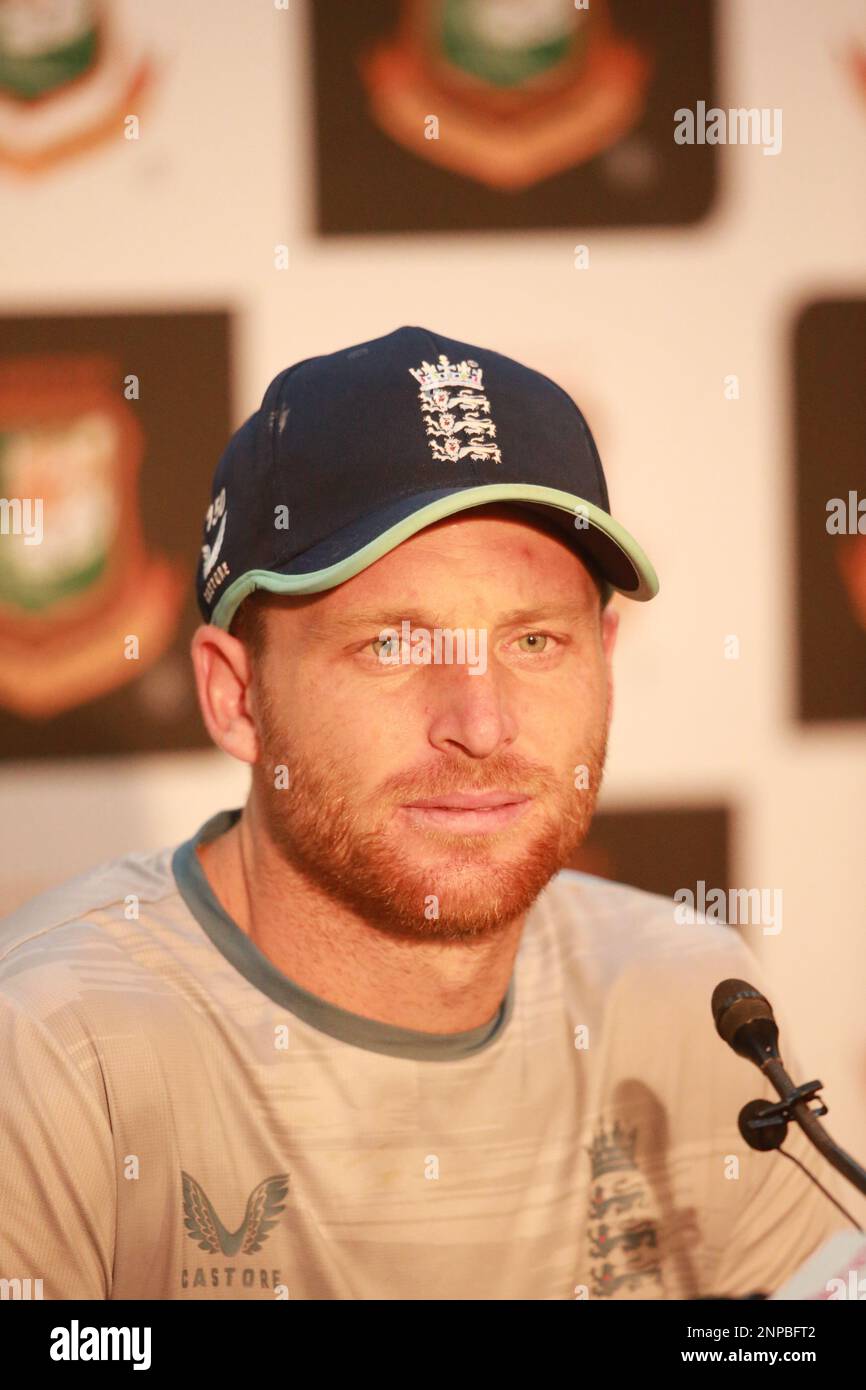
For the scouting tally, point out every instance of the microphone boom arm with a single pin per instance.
(744, 1020)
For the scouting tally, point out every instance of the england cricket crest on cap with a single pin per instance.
(456, 411)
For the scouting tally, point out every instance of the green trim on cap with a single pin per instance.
(329, 578)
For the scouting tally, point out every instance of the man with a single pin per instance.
(366, 1038)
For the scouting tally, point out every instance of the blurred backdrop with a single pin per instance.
(659, 204)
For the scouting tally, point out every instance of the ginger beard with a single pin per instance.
(363, 854)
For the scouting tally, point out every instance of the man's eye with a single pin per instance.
(535, 638)
(388, 647)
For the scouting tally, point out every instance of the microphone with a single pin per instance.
(744, 1020)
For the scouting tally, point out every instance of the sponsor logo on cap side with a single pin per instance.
(209, 553)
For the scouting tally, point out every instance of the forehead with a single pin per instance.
(494, 556)
(499, 543)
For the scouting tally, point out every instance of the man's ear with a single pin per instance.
(609, 629)
(223, 675)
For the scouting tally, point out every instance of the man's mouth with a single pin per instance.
(469, 813)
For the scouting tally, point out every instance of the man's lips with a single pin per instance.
(469, 813)
(468, 801)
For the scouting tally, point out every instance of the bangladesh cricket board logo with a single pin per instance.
(71, 71)
(522, 89)
(75, 586)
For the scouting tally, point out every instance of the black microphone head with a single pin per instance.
(736, 1002)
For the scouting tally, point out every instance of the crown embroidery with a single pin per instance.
(622, 1230)
(453, 401)
(614, 1152)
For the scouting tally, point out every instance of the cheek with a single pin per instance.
(352, 722)
(560, 712)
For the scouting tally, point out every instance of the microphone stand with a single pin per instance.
(764, 1125)
(744, 1020)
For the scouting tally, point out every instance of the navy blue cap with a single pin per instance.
(352, 452)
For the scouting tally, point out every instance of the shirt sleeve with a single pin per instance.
(58, 1186)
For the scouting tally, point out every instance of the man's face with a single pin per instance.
(363, 739)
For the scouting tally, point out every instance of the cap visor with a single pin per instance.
(595, 534)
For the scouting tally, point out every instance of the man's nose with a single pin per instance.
(471, 711)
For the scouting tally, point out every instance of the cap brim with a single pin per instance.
(595, 535)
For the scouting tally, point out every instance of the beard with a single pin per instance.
(458, 886)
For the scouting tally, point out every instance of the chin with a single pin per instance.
(473, 889)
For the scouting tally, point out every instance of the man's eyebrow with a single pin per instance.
(546, 612)
(377, 619)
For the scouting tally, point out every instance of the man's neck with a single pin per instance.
(432, 986)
